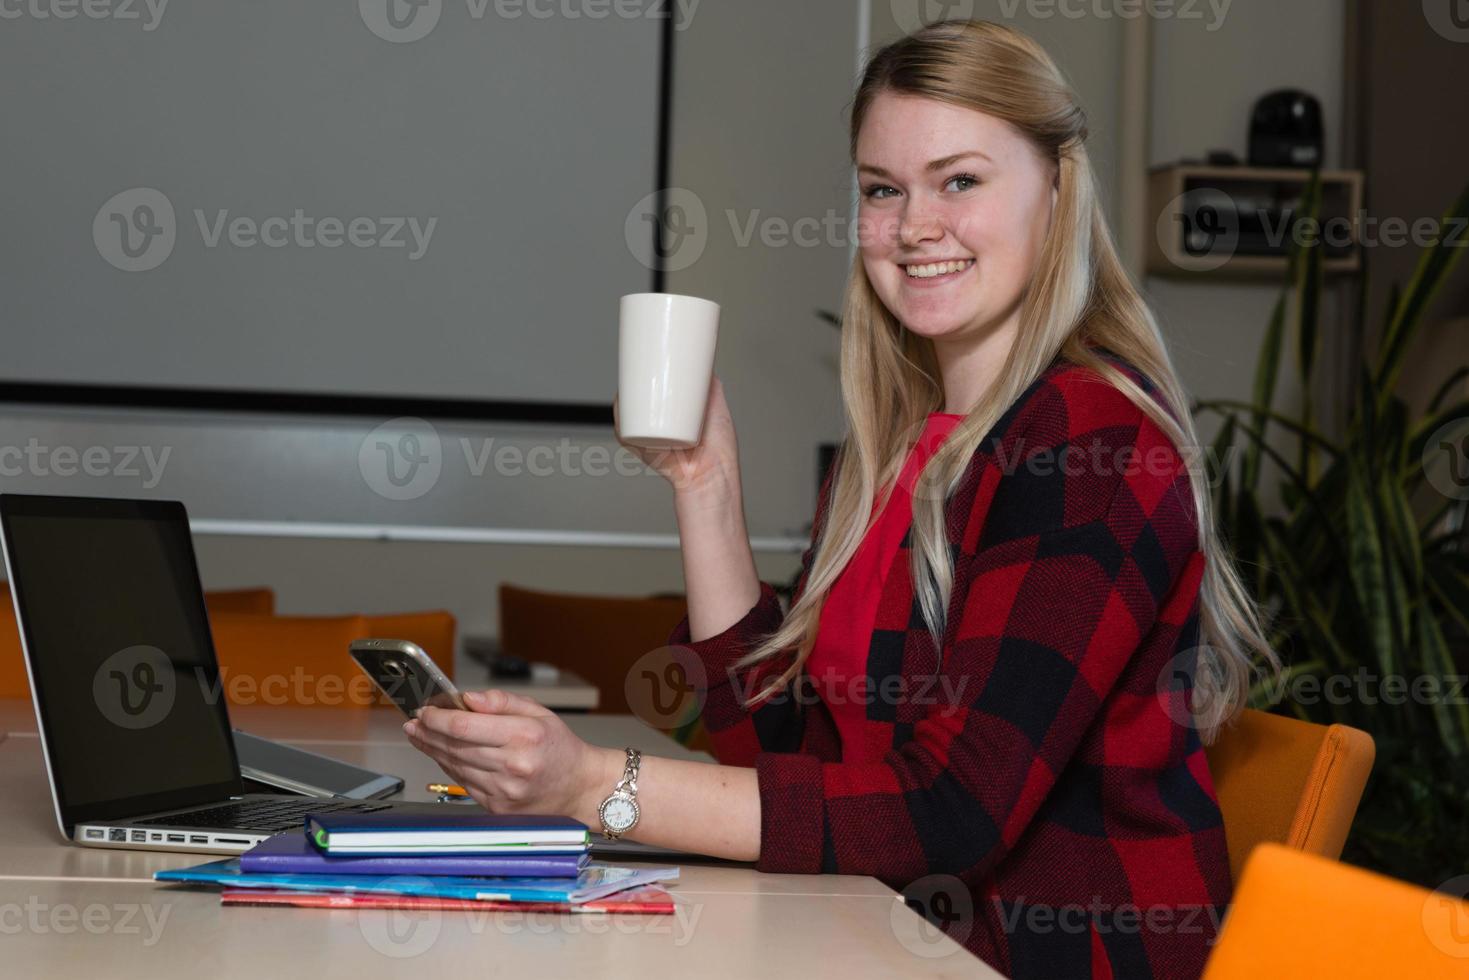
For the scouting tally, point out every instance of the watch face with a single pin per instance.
(619, 813)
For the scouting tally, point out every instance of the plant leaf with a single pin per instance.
(1424, 430)
(1266, 369)
(1450, 714)
(1226, 406)
(1451, 587)
(1447, 387)
(1364, 556)
(1308, 320)
(1407, 544)
(1407, 314)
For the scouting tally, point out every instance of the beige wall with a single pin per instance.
(759, 93)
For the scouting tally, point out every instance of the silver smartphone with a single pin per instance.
(404, 673)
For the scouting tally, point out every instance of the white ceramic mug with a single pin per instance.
(665, 363)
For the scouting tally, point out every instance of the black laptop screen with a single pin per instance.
(121, 659)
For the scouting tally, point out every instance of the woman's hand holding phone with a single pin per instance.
(514, 755)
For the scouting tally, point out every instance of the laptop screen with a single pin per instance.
(121, 662)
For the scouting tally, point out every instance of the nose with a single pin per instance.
(919, 225)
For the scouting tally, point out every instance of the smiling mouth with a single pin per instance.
(938, 270)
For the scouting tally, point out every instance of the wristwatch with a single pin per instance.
(619, 812)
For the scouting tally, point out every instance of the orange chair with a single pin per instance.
(433, 631)
(13, 681)
(296, 660)
(260, 601)
(1301, 915)
(1289, 782)
(597, 637)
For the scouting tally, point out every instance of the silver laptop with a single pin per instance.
(131, 712)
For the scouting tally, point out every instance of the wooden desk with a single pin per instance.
(73, 911)
(567, 692)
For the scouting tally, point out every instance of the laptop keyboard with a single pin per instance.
(267, 816)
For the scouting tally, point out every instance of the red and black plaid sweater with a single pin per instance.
(1042, 795)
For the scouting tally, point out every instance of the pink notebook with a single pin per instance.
(647, 900)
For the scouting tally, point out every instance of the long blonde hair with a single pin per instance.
(1080, 300)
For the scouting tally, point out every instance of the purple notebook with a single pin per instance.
(293, 853)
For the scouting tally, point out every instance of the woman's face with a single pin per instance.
(954, 207)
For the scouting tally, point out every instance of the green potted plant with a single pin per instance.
(1355, 547)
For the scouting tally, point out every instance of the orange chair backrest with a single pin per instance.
(1289, 782)
(260, 601)
(433, 631)
(13, 680)
(596, 637)
(1302, 915)
(293, 660)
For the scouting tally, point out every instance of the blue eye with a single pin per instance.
(878, 192)
(967, 182)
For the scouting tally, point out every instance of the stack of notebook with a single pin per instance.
(434, 856)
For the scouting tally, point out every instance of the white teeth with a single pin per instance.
(936, 269)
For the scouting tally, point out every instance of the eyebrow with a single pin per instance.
(935, 165)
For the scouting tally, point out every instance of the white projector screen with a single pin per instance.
(408, 198)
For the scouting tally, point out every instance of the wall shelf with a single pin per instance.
(1235, 222)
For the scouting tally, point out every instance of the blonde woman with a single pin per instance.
(1015, 627)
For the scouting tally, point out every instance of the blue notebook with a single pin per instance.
(444, 830)
(292, 853)
(595, 881)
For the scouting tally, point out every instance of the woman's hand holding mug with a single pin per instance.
(709, 470)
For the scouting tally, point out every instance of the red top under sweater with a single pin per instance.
(837, 667)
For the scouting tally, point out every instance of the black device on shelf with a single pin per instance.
(1286, 130)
